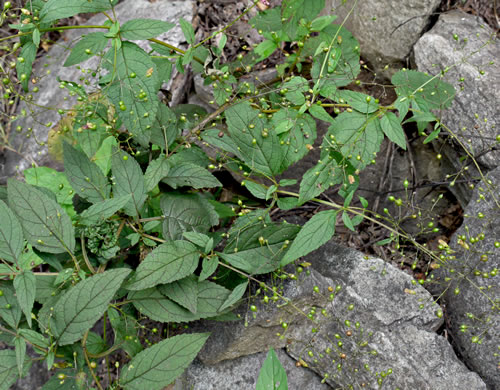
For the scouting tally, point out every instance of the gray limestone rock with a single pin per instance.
(380, 327)
(242, 373)
(386, 30)
(466, 46)
(477, 305)
(51, 95)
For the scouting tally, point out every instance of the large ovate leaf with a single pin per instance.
(95, 42)
(357, 136)
(184, 292)
(317, 231)
(159, 365)
(11, 235)
(144, 28)
(153, 303)
(46, 226)
(25, 287)
(167, 263)
(55, 9)
(84, 176)
(272, 375)
(192, 175)
(134, 73)
(258, 249)
(246, 128)
(82, 305)
(427, 91)
(185, 213)
(129, 180)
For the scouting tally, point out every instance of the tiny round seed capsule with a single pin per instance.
(253, 308)
(125, 158)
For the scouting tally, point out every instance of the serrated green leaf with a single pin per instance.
(320, 113)
(391, 127)
(144, 28)
(344, 67)
(95, 42)
(295, 10)
(296, 88)
(20, 347)
(358, 101)
(358, 136)
(265, 49)
(272, 375)
(159, 365)
(183, 292)
(164, 129)
(257, 190)
(53, 180)
(299, 140)
(11, 235)
(84, 176)
(317, 231)
(82, 305)
(95, 343)
(208, 267)
(268, 20)
(34, 338)
(46, 226)
(156, 171)
(10, 311)
(134, 72)
(186, 212)
(24, 68)
(124, 326)
(192, 175)
(235, 296)
(347, 221)
(321, 22)
(102, 158)
(54, 9)
(103, 210)
(167, 263)
(245, 127)
(288, 203)
(155, 305)
(25, 287)
(129, 180)
(257, 249)
(187, 30)
(8, 368)
(427, 91)
(36, 37)
(319, 178)
(199, 239)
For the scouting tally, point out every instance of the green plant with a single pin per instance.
(133, 229)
